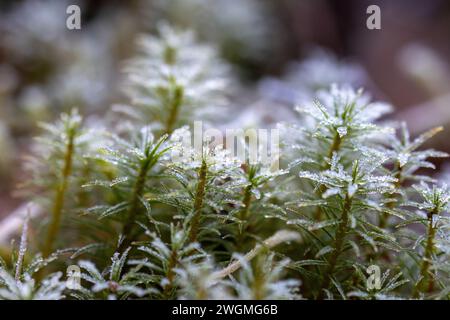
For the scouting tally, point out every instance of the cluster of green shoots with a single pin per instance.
(142, 216)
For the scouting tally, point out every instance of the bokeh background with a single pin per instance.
(281, 52)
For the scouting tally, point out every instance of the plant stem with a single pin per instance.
(198, 202)
(174, 109)
(338, 245)
(335, 146)
(58, 202)
(246, 201)
(258, 288)
(426, 283)
(384, 219)
(133, 207)
(243, 215)
(22, 249)
(170, 274)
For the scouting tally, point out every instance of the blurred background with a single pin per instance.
(281, 51)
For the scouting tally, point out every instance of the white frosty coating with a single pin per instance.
(341, 181)
(19, 283)
(226, 151)
(51, 288)
(197, 281)
(22, 247)
(338, 98)
(114, 276)
(268, 275)
(341, 111)
(12, 223)
(175, 61)
(435, 198)
(342, 131)
(189, 157)
(405, 153)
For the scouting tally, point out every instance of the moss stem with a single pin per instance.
(134, 204)
(426, 282)
(246, 202)
(170, 275)
(335, 146)
(338, 245)
(174, 109)
(244, 215)
(59, 199)
(384, 218)
(198, 202)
